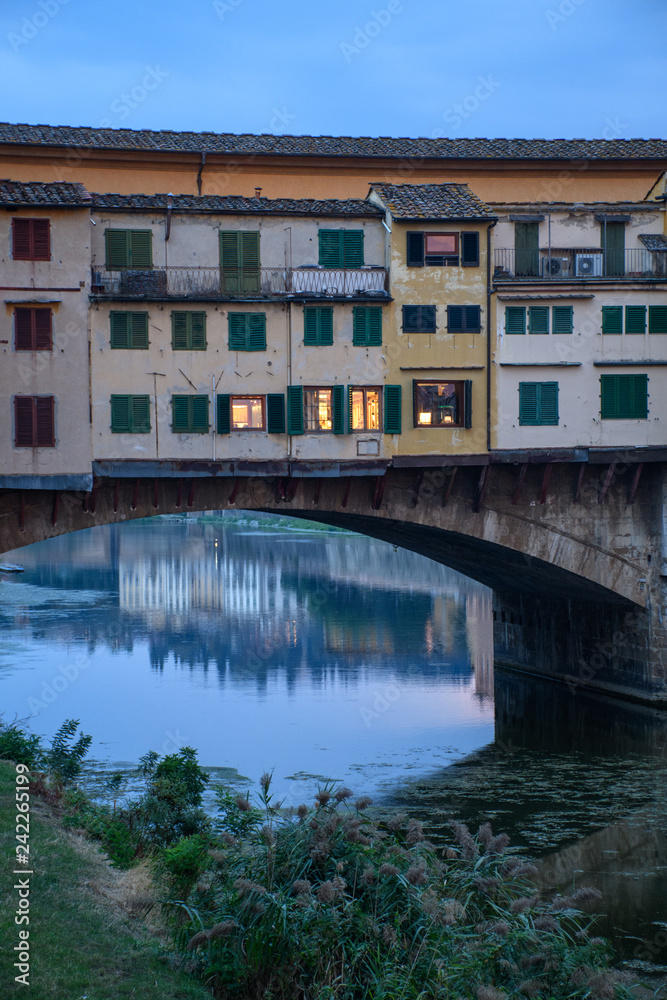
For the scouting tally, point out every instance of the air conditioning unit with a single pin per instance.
(588, 265)
(553, 267)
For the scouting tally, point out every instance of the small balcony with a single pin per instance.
(202, 283)
(579, 264)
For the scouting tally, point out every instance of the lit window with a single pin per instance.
(441, 248)
(364, 409)
(317, 409)
(438, 404)
(247, 413)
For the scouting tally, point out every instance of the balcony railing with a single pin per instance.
(261, 283)
(579, 264)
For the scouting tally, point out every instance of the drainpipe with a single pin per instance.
(488, 334)
(201, 169)
(289, 367)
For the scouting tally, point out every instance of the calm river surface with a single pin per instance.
(330, 656)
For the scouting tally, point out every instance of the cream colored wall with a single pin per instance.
(572, 229)
(62, 372)
(441, 356)
(579, 387)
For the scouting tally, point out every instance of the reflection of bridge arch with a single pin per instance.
(566, 568)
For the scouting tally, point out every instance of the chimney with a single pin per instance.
(258, 193)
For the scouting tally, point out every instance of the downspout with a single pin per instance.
(488, 335)
(201, 169)
(289, 367)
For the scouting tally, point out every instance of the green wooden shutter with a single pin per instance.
(199, 409)
(562, 319)
(310, 326)
(237, 331)
(338, 409)
(325, 320)
(197, 321)
(295, 409)
(141, 248)
(526, 243)
(223, 413)
(548, 400)
(359, 325)
(120, 329)
(117, 250)
(275, 413)
(635, 319)
(249, 258)
(538, 319)
(415, 250)
(140, 414)
(623, 397)
(528, 403)
(657, 319)
(374, 329)
(640, 396)
(179, 414)
(179, 331)
(230, 263)
(473, 318)
(612, 319)
(392, 409)
(467, 403)
(470, 249)
(330, 247)
(455, 319)
(515, 319)
(256, 331)
(353, 248)
(138, 337)
(120, 414)
(613, 245)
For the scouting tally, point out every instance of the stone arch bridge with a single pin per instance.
(574, 550)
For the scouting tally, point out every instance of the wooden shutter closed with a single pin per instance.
(256, 332)
(237, 331)
(120, 414)
(528, 402)
(140, 248)
(330, 247)
(139, 331)
(21, 239)
(130, 414)
(548, 403)
(23, 329)
(42, 329)
(325, 316)
(295, 409)
(117, 248)
(515, 319)
(635, 319)
(23, 421)
(44, 429)
(224, 413)
(318, 326)
(179, 414)
(415, 250)
(338, 409)
(562, 319)
(141, 414)
(473, 318)
(179, 331)
(31, 239)
(310, 326)
(612, 319)
(657, 319)
(198, 331)
(367, 326)
(353, 248)
(538, 319)
(392, 409)
(41, 237)
(120, 329)
(199, 410)
(374, 335)
(467, 403)
(454, 319)
(623, 396)
(470, 249)
(275, 413)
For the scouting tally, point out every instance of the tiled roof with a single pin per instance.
(227, 143)
(14, 194)
(432, 201)
(653, 241)
(235, 205)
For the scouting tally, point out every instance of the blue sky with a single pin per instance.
(546, 68)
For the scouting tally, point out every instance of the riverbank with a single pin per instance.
(88, 933)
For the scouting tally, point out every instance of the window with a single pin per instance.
(34, 422)
(239, 261)
(367, 326)
(188, 331)
(251, 413)
(442, 404)
(526, 249)
(189, 414)
(464, 319)
(442, 249)
(129, 330)
(317, 410)
(538, 403)
(128, 248)
(418, 319)
(364, 408)
(130, 414)
(318, 325)
(31, 239)
(612, 319)
(536, 319)
(341, 247)
(32, 329)
(247, 331)
(657, 319)
(635, 319)
(623, 397)
(247, 413)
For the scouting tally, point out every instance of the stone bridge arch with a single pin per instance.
(573, 552)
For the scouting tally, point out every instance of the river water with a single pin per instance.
(330, 656)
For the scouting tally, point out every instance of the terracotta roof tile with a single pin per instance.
(432, 201)
(18, 194)
(236, 205)
(653, 241)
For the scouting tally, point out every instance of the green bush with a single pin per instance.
(180, 866)
(16, 745)
(62, 761)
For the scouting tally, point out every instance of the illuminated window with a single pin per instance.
(317, 409)
(441, 404)
(364, 409)
(441, 248)
(247, 413)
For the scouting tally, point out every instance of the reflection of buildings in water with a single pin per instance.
(479, 634)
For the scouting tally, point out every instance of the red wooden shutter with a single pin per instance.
(41, 242)
(42, 329)
(44, 437)
(31, 239)
(21, 239)
(23, 340)
(23, 421)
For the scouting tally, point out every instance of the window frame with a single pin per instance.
(460, 394)
(442, 260)
(246, 396)
(365, 389)
(31, 253)
(318, 389)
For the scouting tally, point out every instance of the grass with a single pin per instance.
(84, 940)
